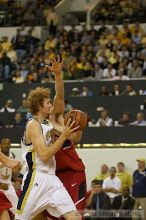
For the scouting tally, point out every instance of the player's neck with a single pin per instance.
(40, 118)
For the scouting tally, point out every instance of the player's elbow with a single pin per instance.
(43, 157)
(76, 137)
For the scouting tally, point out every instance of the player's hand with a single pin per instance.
(56, 66)
(69, 128)
(4, 186)
(15, 165)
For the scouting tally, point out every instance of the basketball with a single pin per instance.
(78, 116)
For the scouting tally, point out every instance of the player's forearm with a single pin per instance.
(59, 86)
(51, 150)
(3, 158)
(59, 97)
(76, 137)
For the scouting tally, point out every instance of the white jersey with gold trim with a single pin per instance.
(30, 158)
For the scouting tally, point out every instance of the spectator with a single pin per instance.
(104, 173)
(23, 107)
(12, 55)
(125, 120)
(90, 193)
(20, 47)
(139, 189)
(18, 120)
(112, 184)
(129, 90)
(122, 203)
(8, 107)
(124, 176)
(100, 200)
(74, 92)
(17, 77)
(6, 44)
(135, 71)
(68, 107)
(98, 71)
(121, 75)
(116, 91)
(104, 120)
(5, 73)
(136, 37)
(103, 91)
(86, 92)
(91, 122)
(50, 43)
(109, 72)
(140, 121)
(28, 116)
(52, 21)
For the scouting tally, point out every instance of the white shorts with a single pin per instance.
(43, 191)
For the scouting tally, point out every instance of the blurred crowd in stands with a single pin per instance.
(113, 53)
(34, 12)
(117, 11)
(116, 53)
(15, 12)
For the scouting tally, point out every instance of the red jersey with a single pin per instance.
(68, 159)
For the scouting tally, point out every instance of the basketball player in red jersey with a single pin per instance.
(71, 170)
(69, 167)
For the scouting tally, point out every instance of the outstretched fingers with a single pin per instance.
(58, 58)
(70, 125)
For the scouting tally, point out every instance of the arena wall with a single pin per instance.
(94, 158)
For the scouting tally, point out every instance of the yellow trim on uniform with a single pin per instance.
(33, 159)
(30, 186)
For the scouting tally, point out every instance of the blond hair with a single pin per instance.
(36, 98)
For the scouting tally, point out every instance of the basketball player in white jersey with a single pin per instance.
(42, 189)
(6, 175)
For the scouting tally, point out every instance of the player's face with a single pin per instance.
(5, 146)
(46, 108)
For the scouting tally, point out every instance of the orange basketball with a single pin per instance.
(78, 116)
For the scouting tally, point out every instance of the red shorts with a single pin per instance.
(75, 184)
(4, 202)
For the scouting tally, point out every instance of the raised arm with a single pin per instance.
(58, 102)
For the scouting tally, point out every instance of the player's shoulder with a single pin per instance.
(33, 123)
